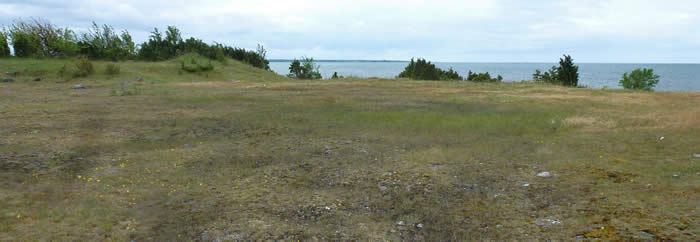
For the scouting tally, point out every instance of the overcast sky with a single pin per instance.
(639, 31)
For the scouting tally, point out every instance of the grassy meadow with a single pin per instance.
(239, 153)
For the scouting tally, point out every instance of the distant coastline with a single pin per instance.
(370, 61)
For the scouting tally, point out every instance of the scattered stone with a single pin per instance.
(676, 176)
(139, 78)
(79, 86)
(662, 138)
(8, 80)
(546, 222)
(400, 223)
(696, 155)
(38, 79)
(383, 188)
(544, 174)
(526, 185)
(647, 234)
(420, 226)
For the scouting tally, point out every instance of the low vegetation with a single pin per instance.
(640, 79)
(39, 38)
(305, 68)
(421, 69)
(243, 154)
(566, 74)
(83, 67)
(483, 77)
(112, 69)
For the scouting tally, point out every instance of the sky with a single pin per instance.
(602, 31)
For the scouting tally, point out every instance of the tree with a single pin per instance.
(640, 79)
(4, 47)
(422, 69)
(304, 69)
(567, 73)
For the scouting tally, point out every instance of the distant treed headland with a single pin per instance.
(39, 38)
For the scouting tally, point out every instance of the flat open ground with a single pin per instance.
(185, 156)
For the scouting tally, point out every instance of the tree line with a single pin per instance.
(40, 38)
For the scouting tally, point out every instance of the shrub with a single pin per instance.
(304, 69)
(483, 77)
(548, 76)
(421, 69)
(83, 67)
(567, 73)
(112, 69)
(39, 37)
(640, 79)
(103, 42)
(195, 67)
(4, 47)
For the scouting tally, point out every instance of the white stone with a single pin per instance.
(544, 174)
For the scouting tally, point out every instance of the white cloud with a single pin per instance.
(449, 30)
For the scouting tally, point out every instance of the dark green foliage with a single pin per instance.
(421, 69)
(38, 37)
(483, 77)
(335, 75)
(112, 69)
(24, 42)
(4, 47)
(567, 73)
(104, 43)
(159, 48)
(548, 76)
(83, 67)
(640, 79)
(304, 69)
(195, 67)
(450, 75)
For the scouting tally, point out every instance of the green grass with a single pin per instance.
(195, 156)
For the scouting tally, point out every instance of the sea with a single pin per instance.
(674, 77)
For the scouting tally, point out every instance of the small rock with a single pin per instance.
(662, 138)
(544, 174)
(696, 155)
(79, 86)
(38, 79)
(383, 188)
(676, 176)
(400, 223)
(139, 78)
(420, 226)
(526, 185)
(8, 80)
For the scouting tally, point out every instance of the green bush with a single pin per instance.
(4, 47)
(112, 69)
(421, 69)
(548, 76)
(195, 67)
(304, 69)
(640, 79)
(483, 77)
(567, 73)
(83, 67)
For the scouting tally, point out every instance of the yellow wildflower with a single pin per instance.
(122, 165)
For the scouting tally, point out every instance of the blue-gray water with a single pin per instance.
(674, 77)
